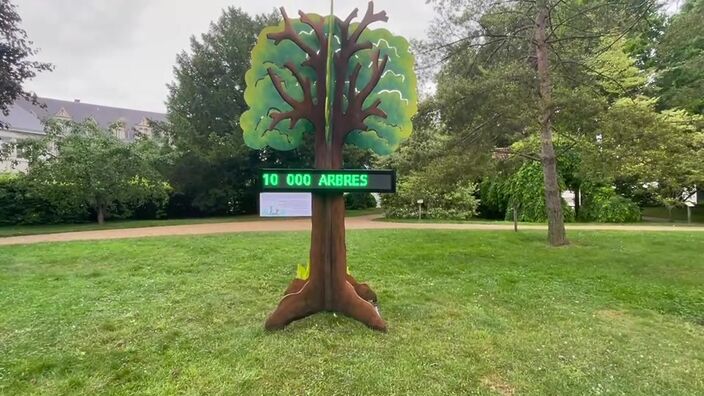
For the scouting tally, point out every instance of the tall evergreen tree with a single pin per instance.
(214, 169)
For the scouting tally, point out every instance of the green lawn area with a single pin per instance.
(469, 313)
(8, 231)
(678, 214)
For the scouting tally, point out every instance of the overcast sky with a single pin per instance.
(121, 52)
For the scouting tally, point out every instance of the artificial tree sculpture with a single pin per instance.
(343, 83)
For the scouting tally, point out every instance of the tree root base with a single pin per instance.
(303, 299)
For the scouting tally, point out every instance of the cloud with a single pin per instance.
(77, 27)
(121, 52)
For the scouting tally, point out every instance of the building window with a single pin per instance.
(144, 128)
(63, 115)
(118, 130)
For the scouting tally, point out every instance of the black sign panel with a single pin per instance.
(316, 180)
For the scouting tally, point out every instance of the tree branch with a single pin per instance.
(318, 28)
(579, 37)
(519, 154)
(277, 117)
(350, 17)
(289, 33)
(353, 118)
(501, 39)
(279, 85)
(374, 110)
(355, 114)
(353, 82)
(345, 25)
(300, 110)
(369, 18)
(378, 71)
(592, 70)
(480, 127)
(304, 82)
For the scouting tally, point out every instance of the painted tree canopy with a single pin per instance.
(373, 85)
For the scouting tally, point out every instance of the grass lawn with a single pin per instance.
(469, 313)
(8, 231)
(654, 219)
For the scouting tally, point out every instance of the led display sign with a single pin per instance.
(316, 180)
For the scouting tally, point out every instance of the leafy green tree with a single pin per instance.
(432, 167)
(506, 67)
(82, 163)
(628, 143)
(213, 167)
(679, 59)
(328, 82)
(659, 150)
(16, 63)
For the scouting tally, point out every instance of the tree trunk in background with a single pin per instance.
(553, 202)
(101, 215)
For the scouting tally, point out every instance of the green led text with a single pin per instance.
(338, 180)
(271, 179)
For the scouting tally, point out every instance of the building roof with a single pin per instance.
(29, 117)
(21, 120)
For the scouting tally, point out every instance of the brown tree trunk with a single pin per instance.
(553, 202)
(329, 287)
(101, 215)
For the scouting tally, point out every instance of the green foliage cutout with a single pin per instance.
(372, 93)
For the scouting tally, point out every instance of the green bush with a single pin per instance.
(12, 200)
(20, 204)
(493, 192)
(604, 205)
(526, 192)
(359, 200)
(454, 202)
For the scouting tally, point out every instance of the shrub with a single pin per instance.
(12, 200)
(526, 191)
(360, 200)
(493, 192)
(454, 202)
(604, 205)
(21, 204)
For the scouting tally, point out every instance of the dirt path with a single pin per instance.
(353, 223)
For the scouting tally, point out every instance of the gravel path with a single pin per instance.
(353, 223)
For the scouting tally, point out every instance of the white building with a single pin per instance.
(26, 120)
